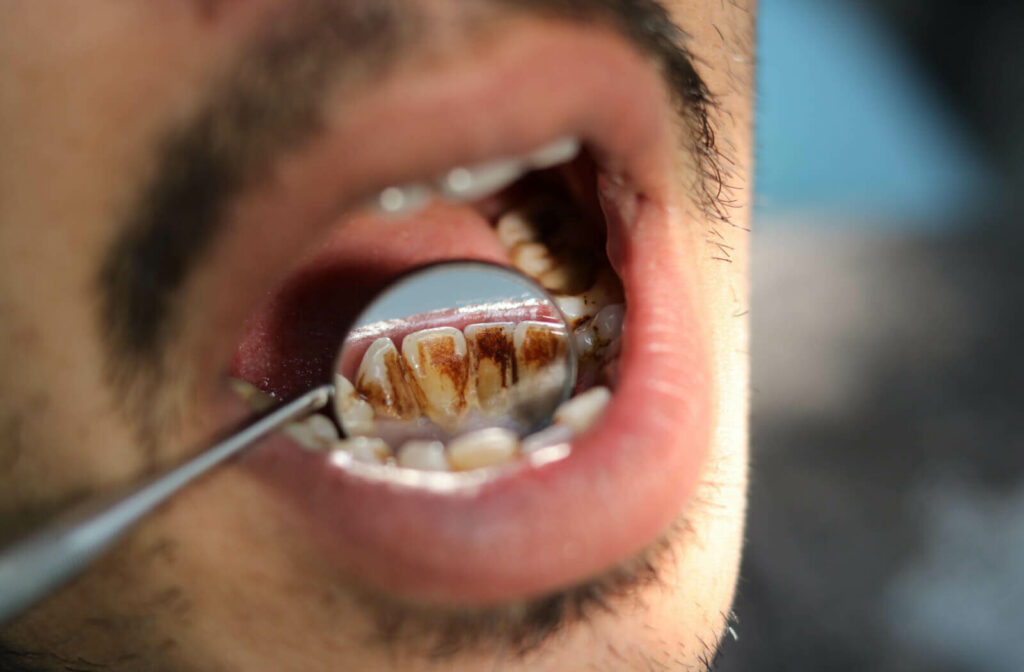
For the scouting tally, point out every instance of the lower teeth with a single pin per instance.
(406, 405)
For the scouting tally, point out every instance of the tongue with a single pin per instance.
(290, 344)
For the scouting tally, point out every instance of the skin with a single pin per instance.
(86, 91)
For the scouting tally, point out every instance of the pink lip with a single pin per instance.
(541, 528)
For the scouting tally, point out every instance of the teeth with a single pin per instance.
(554, 435)
(423, 455)
(471, 183)
(534, 259)
(581, 411)
(562, 150)
(315, 432)
(255, 398)
(381, 380)
(514, 228)
(565, 277)
(608, 322)
(540, 365)
(356, 414)
(492, 359)
(404, 200)
(436, 359)
(483, 448)
(364, 449)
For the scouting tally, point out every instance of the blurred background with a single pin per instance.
(886, 526)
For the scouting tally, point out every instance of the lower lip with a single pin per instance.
(539, 528)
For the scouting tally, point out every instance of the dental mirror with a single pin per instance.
(449, 367)
(455, 362)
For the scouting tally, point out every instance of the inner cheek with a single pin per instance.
(292, 340)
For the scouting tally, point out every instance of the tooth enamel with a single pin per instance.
(364, 449)
(608, 322)
(471, 183)
(356, 414)
(562, 150)
(381, 380)
(255, 398)
(534, 259)
(423, 455)
(492, 357)
(403, 200)
(315, 432)
(439, 372)
(515, 229)
(552, 435)
(482, 448)
(541, 359)
(565, 277)
(580, 412)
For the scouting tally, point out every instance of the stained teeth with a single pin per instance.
(357, 416)
(436, 359)
(316, 432)
(492, 363)
(580, 412)
(364, 449)
(541, 350)
(483, 448)
(424, 455)
(381, 380)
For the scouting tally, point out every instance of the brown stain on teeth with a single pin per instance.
(439, 356)
(541, 346)
(493, 344)
(396, 400)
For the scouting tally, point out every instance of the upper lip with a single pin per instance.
(542, 528)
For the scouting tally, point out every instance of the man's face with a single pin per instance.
(182, 193)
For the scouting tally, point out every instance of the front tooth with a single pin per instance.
(403, 200)
(423, 455)
(483, 448)
(471, 183)
(436, 359)
(562, 150)
(492, 358)
(368, 449)
(541, 350)
(580, 412)
(381, 380)
(315, 432)
(356, 414)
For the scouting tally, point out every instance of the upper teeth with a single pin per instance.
(471, 183)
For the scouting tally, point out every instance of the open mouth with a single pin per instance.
(491, 518)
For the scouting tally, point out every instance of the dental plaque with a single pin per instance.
(467, 365)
